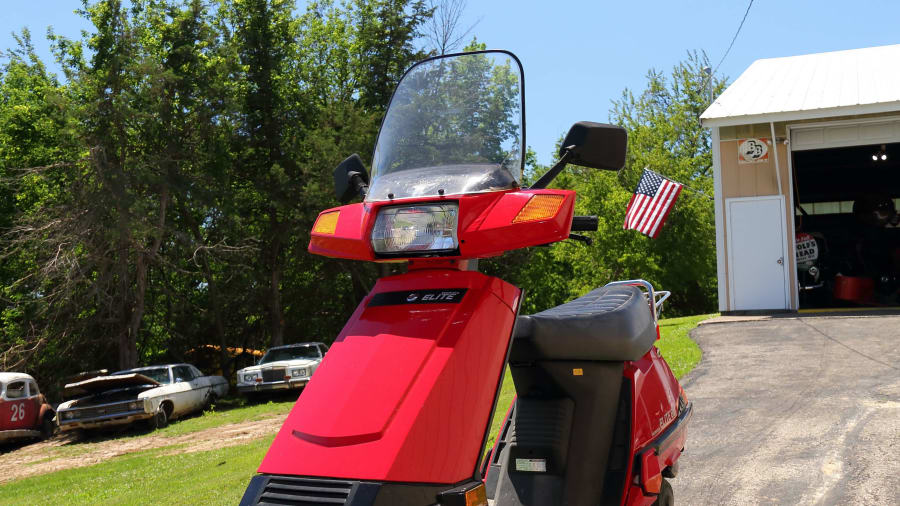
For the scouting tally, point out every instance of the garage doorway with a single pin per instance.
(846, 189)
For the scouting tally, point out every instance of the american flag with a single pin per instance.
(650, 205)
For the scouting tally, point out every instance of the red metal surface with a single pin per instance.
(20, 413)
(485, 225)
(405, 392)
(655, 408)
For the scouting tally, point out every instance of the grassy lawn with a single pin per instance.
(675, 346)
(159, 476)
(225, 413)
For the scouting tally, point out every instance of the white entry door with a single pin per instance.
(757, 262)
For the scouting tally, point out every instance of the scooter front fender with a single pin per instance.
(405, 393)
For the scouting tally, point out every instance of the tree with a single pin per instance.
(664, 134)
(443, 30)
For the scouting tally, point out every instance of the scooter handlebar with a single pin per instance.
(584, 224)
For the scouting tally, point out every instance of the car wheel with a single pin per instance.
(48, 426)
(160, 420)
(666, 495)
(209, 400)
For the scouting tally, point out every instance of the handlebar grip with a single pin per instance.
(584, 224)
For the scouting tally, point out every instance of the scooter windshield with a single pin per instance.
(454, 126)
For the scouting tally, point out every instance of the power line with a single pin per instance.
(735, 36)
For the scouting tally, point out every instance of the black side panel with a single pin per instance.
(578, 402)
(620, 450)
(541, 433)
(397, 494)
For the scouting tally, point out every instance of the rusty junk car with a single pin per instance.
(150, 395)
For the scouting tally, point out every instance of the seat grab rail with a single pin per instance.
(654, 298)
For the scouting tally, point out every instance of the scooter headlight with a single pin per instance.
(420, 228)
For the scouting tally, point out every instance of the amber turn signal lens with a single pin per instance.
(476, 496)
(539, 207)
(327, 223)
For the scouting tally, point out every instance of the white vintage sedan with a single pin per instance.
(282, 368)
(153, 394)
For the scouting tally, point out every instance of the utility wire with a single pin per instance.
(735, 37)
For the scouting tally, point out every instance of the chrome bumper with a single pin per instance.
(273, 385)
(12, 434)
(110, 420)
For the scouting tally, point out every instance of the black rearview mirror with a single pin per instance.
(350, 179)
(596, 145)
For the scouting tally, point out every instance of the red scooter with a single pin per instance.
(399, 410)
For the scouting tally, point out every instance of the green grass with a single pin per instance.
(150, 477)
(224, 414)
(675, 346)
(679, 350)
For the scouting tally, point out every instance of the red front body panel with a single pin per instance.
(405, 392)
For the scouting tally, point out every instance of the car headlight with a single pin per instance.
(133, 405)
(417, 228)
(67, 415)
(298, 373)
(248, 378)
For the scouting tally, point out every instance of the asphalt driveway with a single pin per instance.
(794, 411)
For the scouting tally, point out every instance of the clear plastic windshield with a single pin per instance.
(454, 126)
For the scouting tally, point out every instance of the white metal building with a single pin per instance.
(797, 142)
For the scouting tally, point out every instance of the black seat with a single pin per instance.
(609, 323)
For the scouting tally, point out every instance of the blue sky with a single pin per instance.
(580, 55)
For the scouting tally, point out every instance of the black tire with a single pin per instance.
(160, 420)
(666, 495)
(48, 426)
(209, 400)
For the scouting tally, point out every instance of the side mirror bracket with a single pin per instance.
(350, 179)
(554, 171)
(589, 144)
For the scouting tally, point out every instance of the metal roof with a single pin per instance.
(6, 377)
(838, 83)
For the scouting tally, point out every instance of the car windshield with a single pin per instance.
(293, 353)
(454, 126)
(158, 374)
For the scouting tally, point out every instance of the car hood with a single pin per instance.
(105, 383)
(281, 363)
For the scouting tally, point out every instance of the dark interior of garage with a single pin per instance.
(847, 226)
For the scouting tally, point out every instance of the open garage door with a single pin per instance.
(846, 195)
